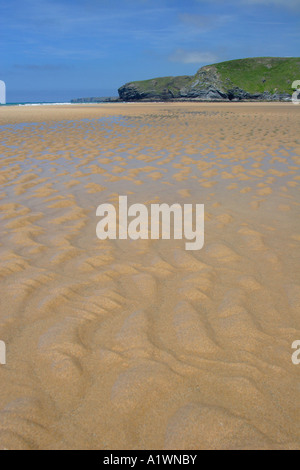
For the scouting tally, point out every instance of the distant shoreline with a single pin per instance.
(179, 100)
(36, 103)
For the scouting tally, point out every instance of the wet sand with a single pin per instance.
(123, 344)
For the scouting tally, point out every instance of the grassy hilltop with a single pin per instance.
(261, 78)
(261, 74)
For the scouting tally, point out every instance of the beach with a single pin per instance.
(141, 344)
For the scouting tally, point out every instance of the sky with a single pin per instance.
(56, 50)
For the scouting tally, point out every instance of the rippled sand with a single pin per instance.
(141, 344)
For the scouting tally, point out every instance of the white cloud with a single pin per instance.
(193, 57)
(198, 21)
(204, 22)
(285, 3)
(293, 4)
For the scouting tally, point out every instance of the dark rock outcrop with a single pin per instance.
(237, 94)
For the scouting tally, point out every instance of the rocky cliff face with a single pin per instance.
(209, 84)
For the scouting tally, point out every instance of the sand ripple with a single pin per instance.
(134, 345)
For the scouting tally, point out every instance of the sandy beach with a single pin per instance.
(140, 344)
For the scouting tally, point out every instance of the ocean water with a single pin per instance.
(42, 103)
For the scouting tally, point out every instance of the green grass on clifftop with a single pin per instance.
(161, 83)
(260, 74)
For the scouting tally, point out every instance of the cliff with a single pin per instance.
(262, 78)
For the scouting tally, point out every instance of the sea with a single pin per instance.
(40, 103)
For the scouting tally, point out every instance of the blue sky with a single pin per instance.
(55, 50)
